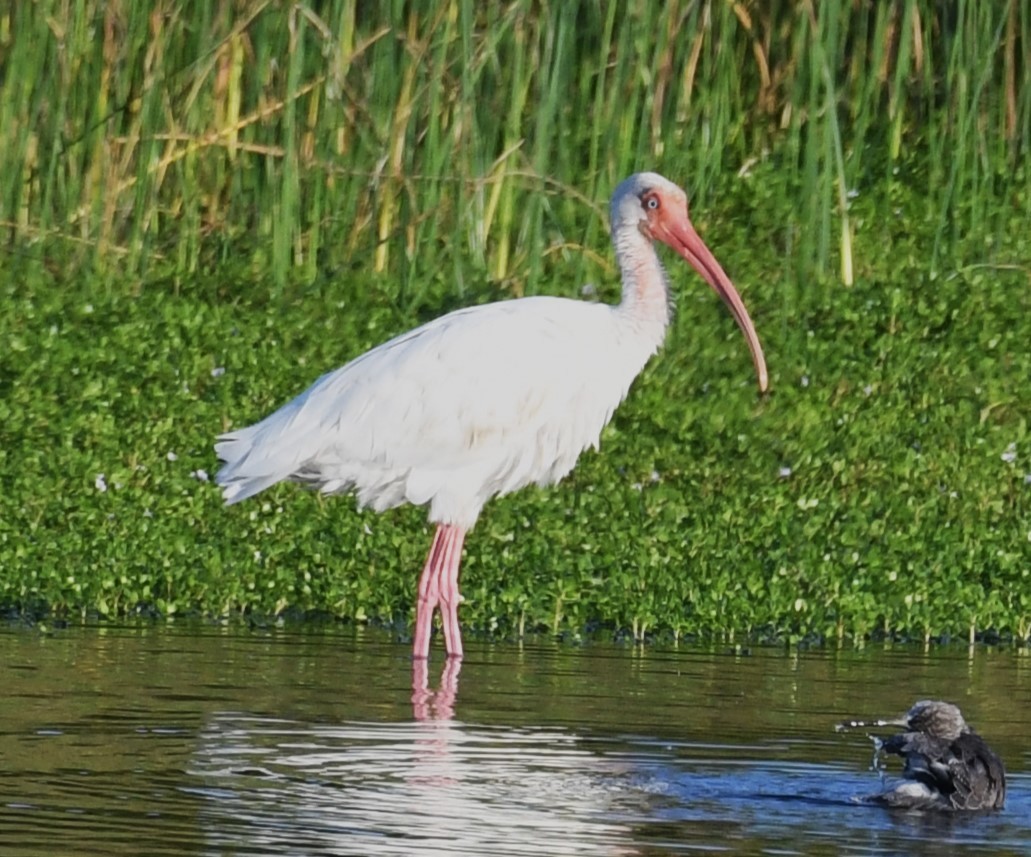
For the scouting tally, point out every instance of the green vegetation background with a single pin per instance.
(207, 205)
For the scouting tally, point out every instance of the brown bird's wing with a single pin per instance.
(963, 774)
(978, 776)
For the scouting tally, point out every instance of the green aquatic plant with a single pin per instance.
(207, 207)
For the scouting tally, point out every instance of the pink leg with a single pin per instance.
(429, 595)
(439, 586)
(450, 597)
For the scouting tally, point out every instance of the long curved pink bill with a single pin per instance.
(681, 236)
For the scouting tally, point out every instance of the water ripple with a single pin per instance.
(197, 742)
(439, 786)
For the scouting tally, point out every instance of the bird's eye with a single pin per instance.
(651, 203)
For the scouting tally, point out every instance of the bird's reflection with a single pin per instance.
(439, 704)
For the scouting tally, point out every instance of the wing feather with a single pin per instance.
(478, 402)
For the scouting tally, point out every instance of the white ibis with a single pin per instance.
(482, 401)
(948, 766)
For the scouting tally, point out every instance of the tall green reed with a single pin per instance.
(457, 140)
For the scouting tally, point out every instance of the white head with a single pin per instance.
(626, 205)
(652, 205)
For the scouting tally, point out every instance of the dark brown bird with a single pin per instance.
(948, 766)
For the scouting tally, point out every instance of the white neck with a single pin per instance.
(645, 302)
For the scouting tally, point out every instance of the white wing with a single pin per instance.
(477, 403)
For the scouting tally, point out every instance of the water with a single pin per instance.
(213, 741)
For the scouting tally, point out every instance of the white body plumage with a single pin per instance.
(475, 404)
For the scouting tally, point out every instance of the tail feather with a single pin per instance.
(236, 482)
(240, 488)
